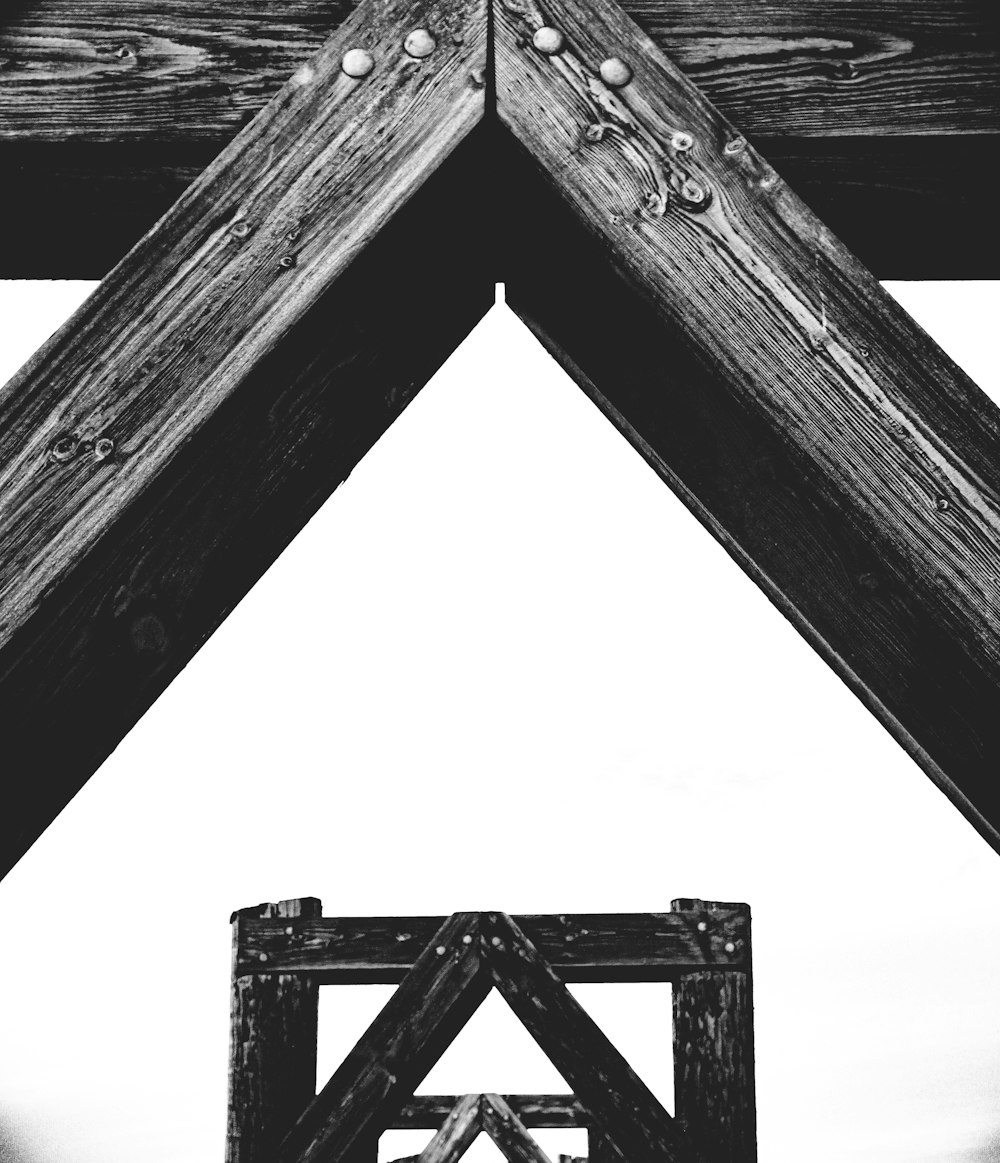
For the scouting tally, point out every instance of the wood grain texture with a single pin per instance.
(714, 1093)
(125, 622)
(218, 460)
(880, 113)
(581, 946)
(633, 1121)
(461, 1127)
(438, 996)
(501, 1123)
(883, 430)
(272, 1050)
(429, 1111)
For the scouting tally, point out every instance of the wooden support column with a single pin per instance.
(714, 1094)
(272, 1047)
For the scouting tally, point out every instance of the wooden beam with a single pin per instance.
(633, 1121)
(143, 496)
(714, 1094)
(457, 1133)
(437, 997)
(507, 1131)
(429, 1111)
(839, 455)
(105, 116)
(272, 1049)
(581, 947)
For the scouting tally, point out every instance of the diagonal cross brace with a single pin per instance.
(840, 457)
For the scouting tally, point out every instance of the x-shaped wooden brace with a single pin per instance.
(472, 1115)
(470, 955)
(163, 447)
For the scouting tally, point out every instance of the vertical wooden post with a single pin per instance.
(272, 1051)
(713, 1055)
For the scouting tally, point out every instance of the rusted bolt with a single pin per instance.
(703, 926)
(419, 43)
(124, 52)
(548, 40)
(64, 449)
(289, 930)
(467, 939)
(736, 145)
(286, 262)
(682, 141)
(495, 942)
(357, 62)
(295, 233)
(104, 448)
(261, 956)
(729, 947)
(440, 950)
(240, 228)
(615, 72)
(942, 504)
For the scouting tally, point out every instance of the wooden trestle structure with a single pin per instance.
(608, 164)
(444, 968)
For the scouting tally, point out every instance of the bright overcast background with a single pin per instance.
(505, 668)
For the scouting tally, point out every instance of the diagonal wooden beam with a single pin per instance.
(151, 468)
(457, 1133)
(508, 1132)
(839, 455)
(436, 998)
(632, 1119)
(429, 1111)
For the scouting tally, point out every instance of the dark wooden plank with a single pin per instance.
(114, 570)
(107, 114)
(632, 1119)
(889, 447)
(508, 1132)
(438, 996)
(272, 1049)
(714, 1094)
(428, 1111)
(581, 946)
(457, 1133)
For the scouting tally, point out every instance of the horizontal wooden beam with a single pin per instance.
(429, 1111)
(581, 947)
(106, 116)
(163, 448)
(837, 453)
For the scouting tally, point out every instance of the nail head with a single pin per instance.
(615, 72)
(682, 141)
(548, 40)
(104, 448)
(440, 950)
(63, 449)
(357, 62)
(702, 926)
(729, 947)
(419, 43)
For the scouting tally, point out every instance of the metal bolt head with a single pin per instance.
(736, 145)
(495, 942)
(104, 448)
(286, 262)
(262, 957)
(467, 939)
(289, 930)
(64, 449)
(942, 504)
(615, 72)
(419, 43)
(241, 228)
(440, 950)
(682, 141)
(548, 40)
(702, 926)
(357, 62)
(729, 947)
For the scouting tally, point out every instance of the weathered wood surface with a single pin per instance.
(501, 1123)
(107, 111)
(429, 1111)
(889, 448)
(435, 1000)
(272, 1050)
(114, 571)
(581, 947)
(457, 1133)
(714, 1093)
(633, 1121)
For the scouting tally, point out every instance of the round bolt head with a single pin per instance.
(419, 43)
(467, 939)
(289, 930)
(64, 449)
(440, 950)
(615, 72)
(736, 145)
(702, 926)
(357, 62)
(729, 947)
(104, 448)
(262, 957)
(548, 40)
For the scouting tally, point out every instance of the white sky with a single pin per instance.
(504, 668)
